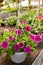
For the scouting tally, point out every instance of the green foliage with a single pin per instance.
(11, 21)
(1, 21)
(38, 25)
(28, 16)
(1, 38)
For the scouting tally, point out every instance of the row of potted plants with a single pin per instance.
(35, 21)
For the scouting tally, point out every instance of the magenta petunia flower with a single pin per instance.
(32, 37)
(38, 38)
(12, 38)
(27, 28)
(23, 22)
(27, 49)
(38, 17)
(16, 47)
(5, 44)
(21, 44)
(18, 31)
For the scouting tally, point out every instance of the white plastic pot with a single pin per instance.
(18, 57)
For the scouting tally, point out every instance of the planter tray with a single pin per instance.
(29, 60)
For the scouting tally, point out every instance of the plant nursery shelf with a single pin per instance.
(28, 61)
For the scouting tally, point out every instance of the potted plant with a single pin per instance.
(11, 21)
(20, 43)
(38, 24)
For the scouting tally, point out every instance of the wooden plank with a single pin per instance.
(39, 59)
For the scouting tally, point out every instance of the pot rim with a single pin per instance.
(19, 52)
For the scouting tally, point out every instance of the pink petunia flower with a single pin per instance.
(12, 38)
(21, 44)
(27, 28)
(38, 17)
(32, 37)
(23, 22)
(5, 44)
(18, 31)
(42, 17)
(27, 49)
(16, 47)
(38, 38)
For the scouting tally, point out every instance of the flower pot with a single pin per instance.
(18, 57)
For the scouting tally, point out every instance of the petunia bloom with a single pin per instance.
(23, 22)
(12, 38)
(27, 28)
(18, 31)
(5, 44)
(38, 17)
(32, 37)
(21, 44)
(42, 17)
(38, 38)
(27, 49)
(16, 47)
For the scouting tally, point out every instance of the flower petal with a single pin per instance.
(27, 49)
(4, 44)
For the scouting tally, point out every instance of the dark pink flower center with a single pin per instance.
(16, 47)
(27, 28)
(11, 38)
(18, 32)
(27, 49)
(38, 38)
(21, 45)
(4, 44)
(32, 37)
